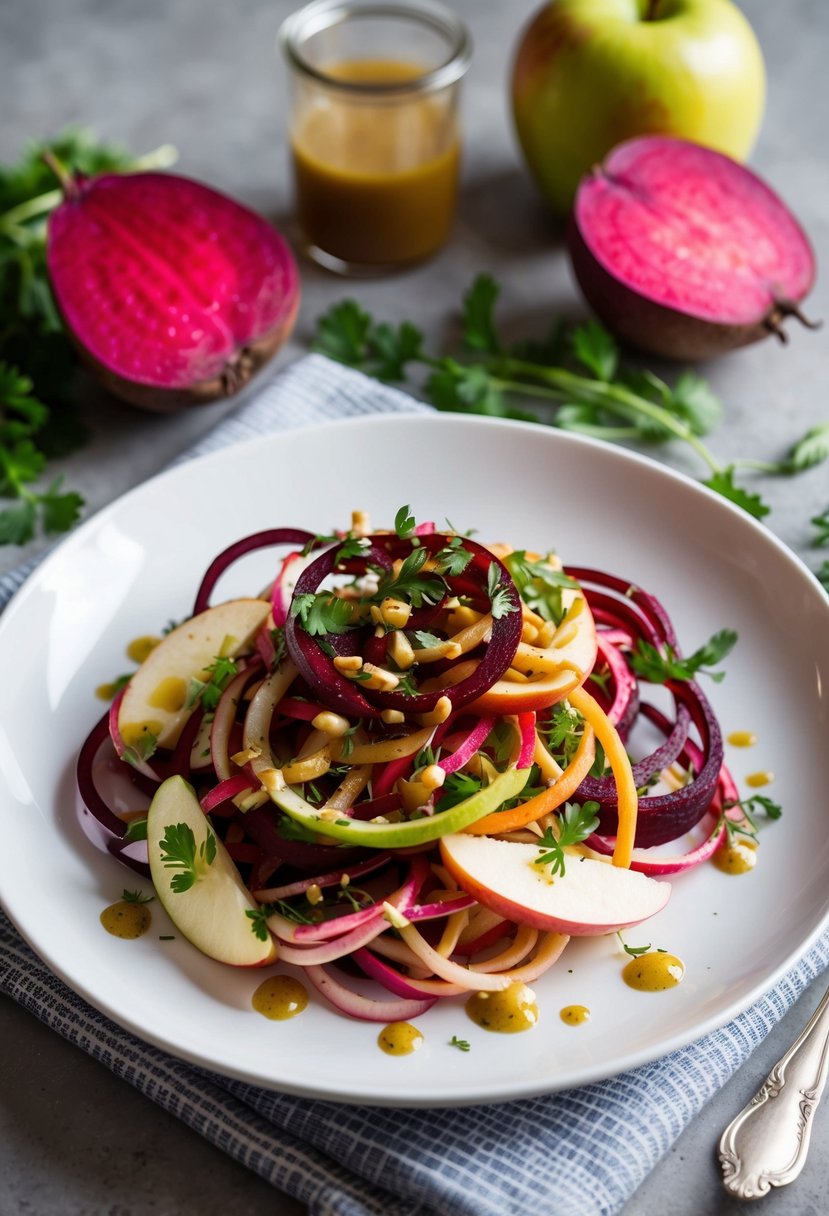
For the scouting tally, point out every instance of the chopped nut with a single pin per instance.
(313, 894)
(347, 662)
(439, 714)
(272, 779)
(360, 523)
(379, 678)
(248, 801)
(246, 755)
(400, 650)
(433, 776)
(331, 724)
(392, 717)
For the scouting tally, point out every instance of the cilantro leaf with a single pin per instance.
(409, 584)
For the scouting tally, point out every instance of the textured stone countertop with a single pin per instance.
(207, 78)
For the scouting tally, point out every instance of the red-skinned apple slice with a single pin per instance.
(154, 701)
(200, 888)
(552, 672)
(589, 899)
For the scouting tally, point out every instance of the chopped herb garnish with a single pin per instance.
(136, 897)
(539, 585)
(258, 918)
(404, 523)
(647, 661)
(574, 824)
(633, 951)
(322, 613)
(179, 852)
(499, 597)
(136, 829)
(139, 751)
(461, 1044)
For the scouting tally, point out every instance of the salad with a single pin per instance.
(408, 760)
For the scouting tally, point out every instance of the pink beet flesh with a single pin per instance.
(667, 223)
(164, 282)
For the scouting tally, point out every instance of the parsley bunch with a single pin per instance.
(573, 379)
(38, 408)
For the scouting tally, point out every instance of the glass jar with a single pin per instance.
(374, 129)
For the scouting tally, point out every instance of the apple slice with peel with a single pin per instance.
(155, 700)
(197, 883)
(590, 898)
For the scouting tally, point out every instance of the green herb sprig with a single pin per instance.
(573, 379)
(658, 667)
(575, 824)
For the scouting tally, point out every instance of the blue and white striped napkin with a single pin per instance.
(582, 1152)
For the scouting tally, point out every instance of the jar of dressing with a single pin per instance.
(374, 129)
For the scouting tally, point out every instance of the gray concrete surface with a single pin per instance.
(206, 76)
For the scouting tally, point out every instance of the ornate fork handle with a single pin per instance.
(767, 1143)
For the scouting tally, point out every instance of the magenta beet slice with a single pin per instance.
(174, 293)
(684, 253)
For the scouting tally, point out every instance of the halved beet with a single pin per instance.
(684, 253)
(173, 293)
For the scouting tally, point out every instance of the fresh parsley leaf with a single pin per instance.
(136, 829)
(692, 399)
(539, 585)
(658, 668)
(404, 523)
(143, 747)
(349, 335)
(809, 451)
(409, 584)
(457, 788)
(136, 897)
(322, 613)
(478, 315)
(500, 601)
(258, 918)
(722, 482)
(596, 350)
(821, 523)
(574, 824)
(179, 852)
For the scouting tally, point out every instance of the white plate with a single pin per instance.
(137, 564)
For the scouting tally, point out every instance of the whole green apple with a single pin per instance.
(589, 74)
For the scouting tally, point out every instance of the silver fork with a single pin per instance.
(767, 1143)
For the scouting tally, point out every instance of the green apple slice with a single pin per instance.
(198, 884)
(155, 700)
(381, 835)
